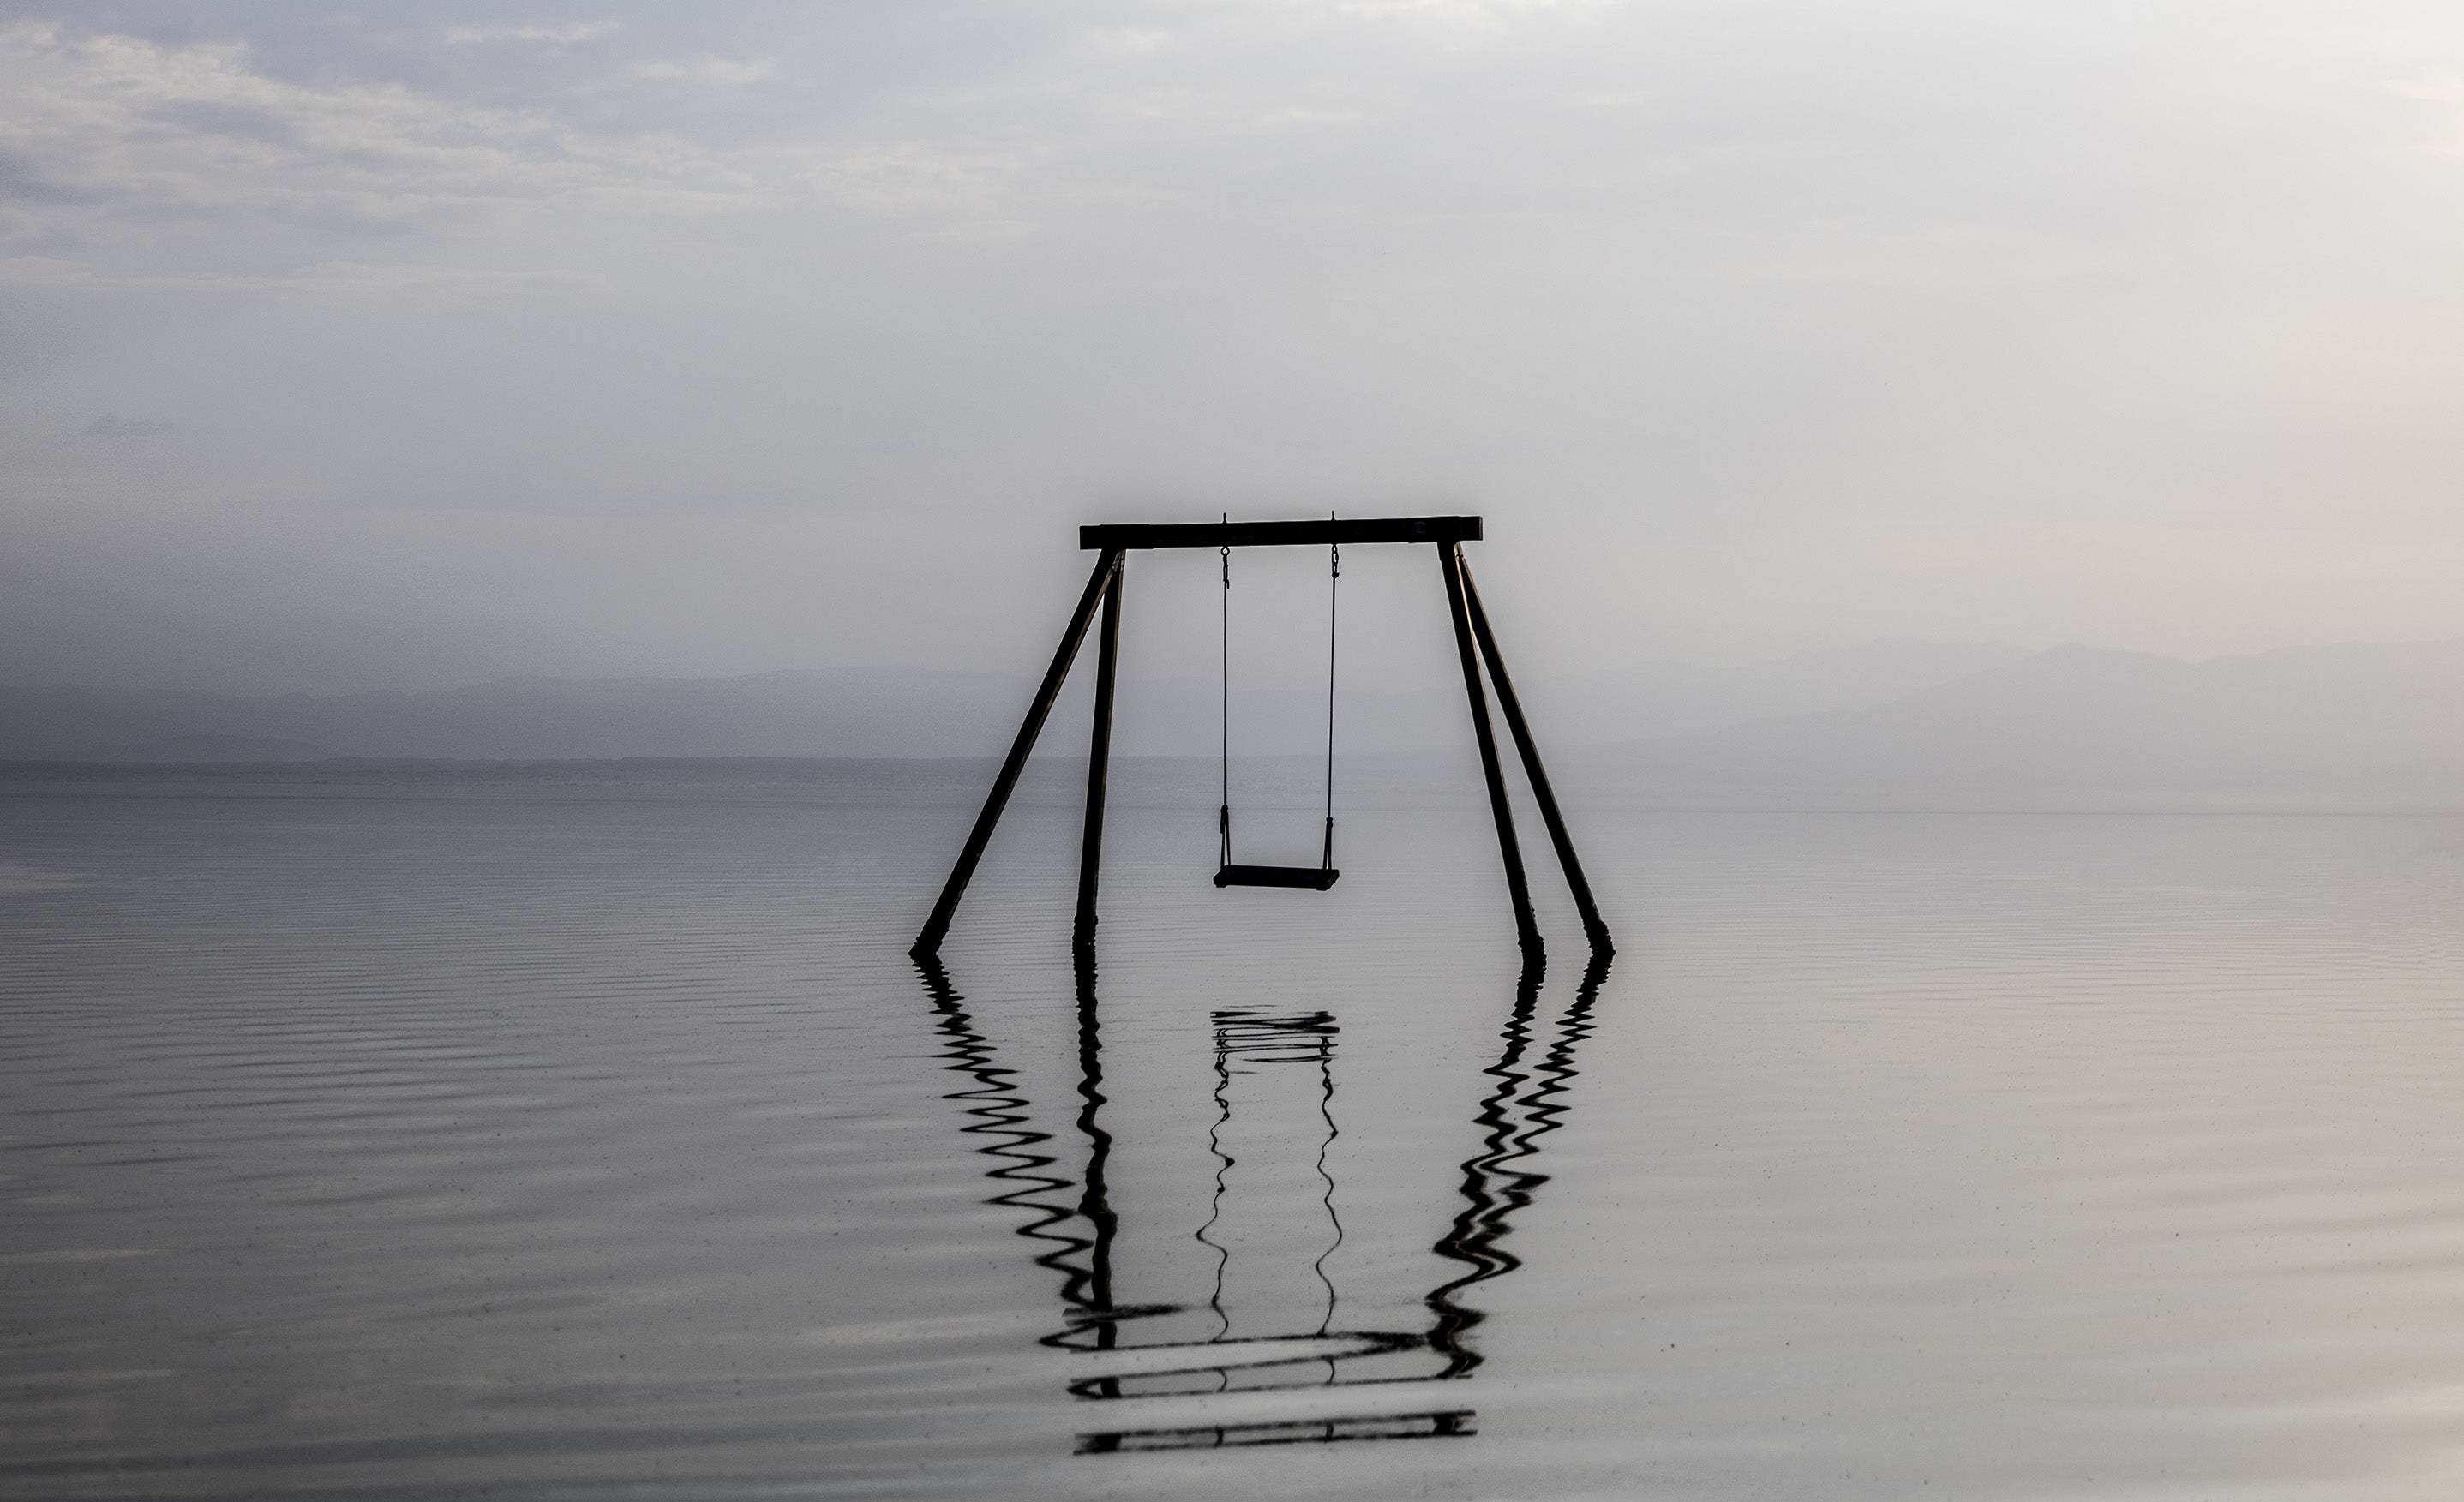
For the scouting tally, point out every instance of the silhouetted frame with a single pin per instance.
(1474, 644)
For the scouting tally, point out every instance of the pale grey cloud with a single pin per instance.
(111, 427)
(129, 134)
(570, 31)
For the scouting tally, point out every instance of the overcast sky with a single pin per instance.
(401, 345)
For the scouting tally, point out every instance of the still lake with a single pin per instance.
(423, 1139)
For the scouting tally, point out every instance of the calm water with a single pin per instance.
(537, 1143)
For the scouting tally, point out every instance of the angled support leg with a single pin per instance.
(936, 926)
(1541, 793)
(1518, 888)
(1099, 760)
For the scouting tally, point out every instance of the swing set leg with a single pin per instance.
(1098, 586)
(1099, 760)
(1541, 793)
(1518, 888)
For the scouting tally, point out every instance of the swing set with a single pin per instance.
(1474, 644)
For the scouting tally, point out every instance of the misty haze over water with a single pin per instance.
(885, 711)
(1909, 723)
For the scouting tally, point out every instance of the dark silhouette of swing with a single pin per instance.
(1474, 644)
(1322, 875)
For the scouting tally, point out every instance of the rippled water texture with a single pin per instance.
(545, 1146)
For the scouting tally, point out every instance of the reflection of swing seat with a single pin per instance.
(1319, 878)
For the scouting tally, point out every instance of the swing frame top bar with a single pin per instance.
(1117, 536)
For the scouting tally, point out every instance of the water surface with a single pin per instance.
(443, 1142)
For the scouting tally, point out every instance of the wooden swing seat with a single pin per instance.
(1317, 878)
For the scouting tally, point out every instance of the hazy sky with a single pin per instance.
(399, 345)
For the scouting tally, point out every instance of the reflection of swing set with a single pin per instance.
(1288, 1345)
(1474, 644)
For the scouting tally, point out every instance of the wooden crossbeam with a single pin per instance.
(1280, 534)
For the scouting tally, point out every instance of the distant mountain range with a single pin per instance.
(1890, 721)
(2380, 721)
(889, 712)
(866, 711)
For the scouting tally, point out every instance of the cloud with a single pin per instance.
(107, 138)
(1459, 12)
(723, 72)
(1681, 286)
(351, 278)
(108, 427)
(51, 270)
(577, 32)
(2443, 96)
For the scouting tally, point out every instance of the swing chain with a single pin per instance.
(1223, 813)
(1277, 876)
(1333, 578)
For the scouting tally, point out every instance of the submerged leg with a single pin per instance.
(1519, 889)
(1099, 762)
(1530, 750)
(938, 926)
